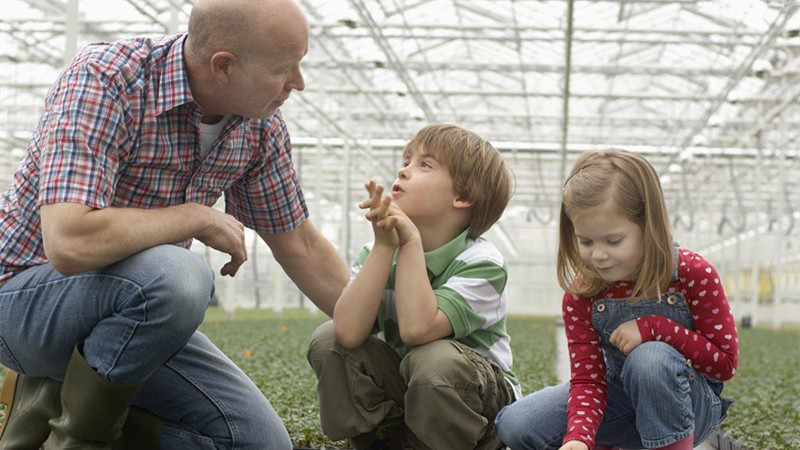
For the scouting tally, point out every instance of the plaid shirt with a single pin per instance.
(119, 129)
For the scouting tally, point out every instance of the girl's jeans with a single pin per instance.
(136, 321)
(655, 396)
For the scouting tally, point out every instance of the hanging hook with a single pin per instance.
(740, 227)
(541, 197)
(789, 208)
(772, 219)
(687, 195)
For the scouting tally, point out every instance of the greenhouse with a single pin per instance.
(708, 91)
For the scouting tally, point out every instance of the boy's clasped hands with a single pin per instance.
(390, 224)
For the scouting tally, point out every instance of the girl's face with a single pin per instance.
(609, 243)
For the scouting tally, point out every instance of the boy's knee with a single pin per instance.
(442, 360)
(321, 346)
(323, 338)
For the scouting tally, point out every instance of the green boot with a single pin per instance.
(142, 431)
(30, 403)
(93, 410)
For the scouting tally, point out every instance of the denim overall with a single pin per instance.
(671, 401)
(655, 396)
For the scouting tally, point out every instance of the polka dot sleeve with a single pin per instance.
(587, 393)
(713, 348)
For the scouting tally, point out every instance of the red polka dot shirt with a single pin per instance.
(712, 349)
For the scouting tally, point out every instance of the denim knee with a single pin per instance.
(653, 367)
(179, 282)
(536, 421)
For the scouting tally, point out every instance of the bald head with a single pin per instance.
(244, 27)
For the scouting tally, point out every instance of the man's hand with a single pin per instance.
(626, 337)
(225, 234)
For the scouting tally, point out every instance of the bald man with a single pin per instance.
(100, 296)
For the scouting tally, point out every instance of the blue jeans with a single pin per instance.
(657, 399)
(137, 322)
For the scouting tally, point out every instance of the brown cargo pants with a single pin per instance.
(448, 393)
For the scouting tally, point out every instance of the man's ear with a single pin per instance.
(221, 65)
(459, 203)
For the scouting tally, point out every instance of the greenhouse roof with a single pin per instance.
(707, 90)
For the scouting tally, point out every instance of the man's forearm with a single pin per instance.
(78, 238)
(312, 263)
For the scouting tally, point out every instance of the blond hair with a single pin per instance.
(477, 168)
(627, 183)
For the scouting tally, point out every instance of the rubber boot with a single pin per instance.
(684, 444)
(30, 403)
(142, 431)
(93, 410)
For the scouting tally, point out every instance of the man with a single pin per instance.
(138, 140)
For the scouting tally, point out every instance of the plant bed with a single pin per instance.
(271, 349)
(765, 414)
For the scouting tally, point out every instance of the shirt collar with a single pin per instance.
(439, 259)
(173, 87)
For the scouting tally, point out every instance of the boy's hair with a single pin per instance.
(477, 168)
(627, 183)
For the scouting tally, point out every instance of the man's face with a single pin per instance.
(265, 81)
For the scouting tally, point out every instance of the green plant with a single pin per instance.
(765, 414)
(271, 348)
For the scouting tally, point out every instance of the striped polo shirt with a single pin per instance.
(468, 277)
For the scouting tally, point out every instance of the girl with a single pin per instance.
(650, 333)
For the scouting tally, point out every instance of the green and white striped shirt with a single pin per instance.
(468, 277)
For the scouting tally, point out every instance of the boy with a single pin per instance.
(417, 353)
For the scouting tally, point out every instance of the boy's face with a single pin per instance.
(424, 188)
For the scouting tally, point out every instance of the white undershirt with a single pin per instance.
(209, 134)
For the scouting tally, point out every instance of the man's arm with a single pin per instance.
(311, 262)
(78, 238)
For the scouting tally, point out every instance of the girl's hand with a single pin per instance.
(626, 337)
(574, 445)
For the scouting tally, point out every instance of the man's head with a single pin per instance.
(243, 56)
(479, 174)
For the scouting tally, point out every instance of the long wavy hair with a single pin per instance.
(627, 183)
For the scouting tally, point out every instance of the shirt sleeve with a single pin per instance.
(80, 136)
(471, 297)
(269, 198)
(713, 347)
(587, 392)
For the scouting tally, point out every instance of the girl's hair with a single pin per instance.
(627, 183)
(477, 168)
